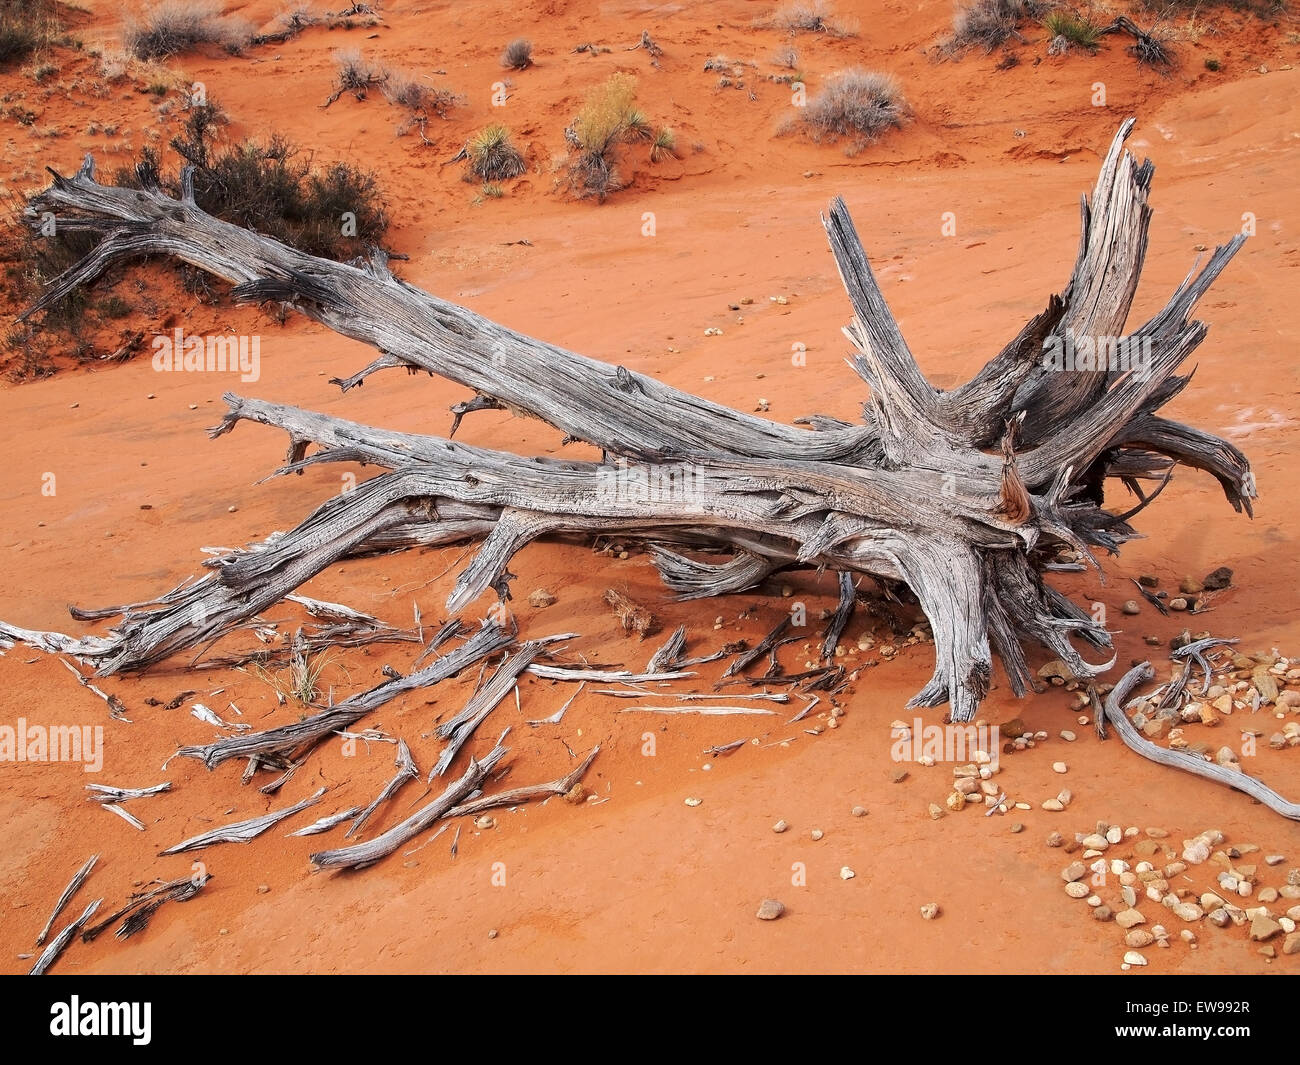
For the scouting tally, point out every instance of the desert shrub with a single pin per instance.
(518, 54)
(174, 26)
(405, 90)
(810, 16)
(1077, 30)
(595, 134)
(858, 106)
(493, 156)
(989, 23)
(354, 74)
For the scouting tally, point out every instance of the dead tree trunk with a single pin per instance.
(968, 496)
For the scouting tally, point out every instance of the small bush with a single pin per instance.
(1212, 64)
(600, 125)
(518, 54)
(405, 90)
(1077, 30)
(353, 74)
(493, 191)
(810, 16)
(990, 23)
(786, 57)
(175, 26)
(858, 105)
(493, 156)
(636, 127)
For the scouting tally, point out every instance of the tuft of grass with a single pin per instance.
(1212, 64)
(174, 26)
(665, 143)
(636, 127)
(492, 191)
(786, 57)
(810, 16)
(518, 54)
(989, 23)
(858, 106)
(1077, 30)
(493, 156)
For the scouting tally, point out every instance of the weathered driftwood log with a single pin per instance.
(968, 496)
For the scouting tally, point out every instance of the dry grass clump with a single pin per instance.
(858, 106)
(987, 24)
(174, 26)
(595, 135)
(518, 54)
(811, 16)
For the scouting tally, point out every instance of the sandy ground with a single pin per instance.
(642, 881)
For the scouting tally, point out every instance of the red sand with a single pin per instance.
(642, 882)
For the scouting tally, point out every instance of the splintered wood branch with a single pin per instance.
(359, 855)
(78, 878)
(287, 738)
(1237, 779)
(243, 831)
(967, 495)
(106, 794)
(60, 942)
(703, 711)
(530, 793)
(406, 770)
(328, 822)
(458, 729)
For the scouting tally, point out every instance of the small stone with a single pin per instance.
(576, 795)
(1263, 927)
(816, 834)
(1130, 607)
(540, 598)
(936, 811)
(1054, 805)
(898, 776)
(859, 811)
(1095, 842)
(1178, 603)
(493, 933)
(1129, 918)
(1055, 839)
(1196, 851)
(1268, 894)
(930, 911)
(1068, 736)
(1060, 767)
(1268, 952)
(1132, 957)
(484, 822)
(1077, 890)
(1017, 827)
(1074, 871)
(769, 910)
(955, 801)
(1219, 578)
(846, 873)
(1292, 944)
(1274, 859)
(1188, 911)
(693, 802)
(1139, 937)
(263, 889)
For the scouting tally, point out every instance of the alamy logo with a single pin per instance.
(103, 1018)
(53, 743)
(208, 354)
(943, 743)
(1089, 354)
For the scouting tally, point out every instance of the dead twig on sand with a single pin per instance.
(60, 942)
(1191, 763)
(78, 878)
(243, 831)
(406, 770)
